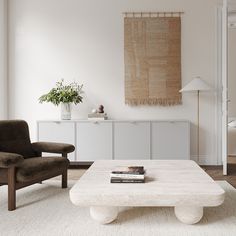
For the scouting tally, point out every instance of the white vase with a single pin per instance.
(65, 111)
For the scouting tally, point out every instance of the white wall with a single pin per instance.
(83, 40)
(3, 59)
(232, 72)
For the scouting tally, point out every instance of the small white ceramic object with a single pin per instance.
(94, 111)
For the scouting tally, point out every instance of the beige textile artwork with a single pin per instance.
(152, 48)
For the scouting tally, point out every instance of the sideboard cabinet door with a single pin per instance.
(171, 140)
(94, 141)
(131, 140)
(60, 132)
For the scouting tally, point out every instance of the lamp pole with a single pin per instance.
(197, 85)
(198, 118)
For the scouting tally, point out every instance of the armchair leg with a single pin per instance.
(64, 175)
(11, 189)
(64, 179)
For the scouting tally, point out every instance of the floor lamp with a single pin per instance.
(196, 85)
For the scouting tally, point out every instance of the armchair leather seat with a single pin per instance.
(37, 167)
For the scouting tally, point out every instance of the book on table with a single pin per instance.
(135, 170)
(130, 174)
(127, 176)
(119, 180)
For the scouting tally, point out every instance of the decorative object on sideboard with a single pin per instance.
(152, 56)
(65, 111)
(64, 94)
(98, 114)
(101, 109)
(94, 111)
(197, 85)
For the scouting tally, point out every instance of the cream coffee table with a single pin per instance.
(180, 184)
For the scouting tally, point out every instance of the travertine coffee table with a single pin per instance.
(181, 184)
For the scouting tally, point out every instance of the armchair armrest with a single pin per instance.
(8, 160)
(53, 147)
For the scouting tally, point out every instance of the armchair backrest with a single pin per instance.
(14, 138)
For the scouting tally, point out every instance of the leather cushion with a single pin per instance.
(14, 138)
(39, 167)
(10, 159)
(53, 147)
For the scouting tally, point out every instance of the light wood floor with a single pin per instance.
(216, 172)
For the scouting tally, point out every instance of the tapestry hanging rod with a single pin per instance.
(152, 14)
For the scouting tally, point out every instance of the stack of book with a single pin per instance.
(131, 174)
(97, 116)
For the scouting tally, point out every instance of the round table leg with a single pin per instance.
(104, 215)
(189, 214)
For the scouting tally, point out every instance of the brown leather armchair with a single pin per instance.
(21, 162)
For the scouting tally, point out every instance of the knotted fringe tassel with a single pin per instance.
(154, 101)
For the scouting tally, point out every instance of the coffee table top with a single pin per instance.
(168, 183)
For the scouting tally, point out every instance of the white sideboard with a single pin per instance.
(132, 140)
(94, 141)
(120, 139)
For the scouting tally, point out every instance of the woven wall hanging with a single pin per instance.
(152, 48)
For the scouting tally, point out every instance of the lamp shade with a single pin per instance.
(197, 84)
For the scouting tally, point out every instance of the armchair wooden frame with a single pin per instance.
(9, 178)
(21, 162)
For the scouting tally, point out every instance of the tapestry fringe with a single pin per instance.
(154, 101)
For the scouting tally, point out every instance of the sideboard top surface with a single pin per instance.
(118, 120)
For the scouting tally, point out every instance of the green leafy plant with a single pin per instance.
(71, 93)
